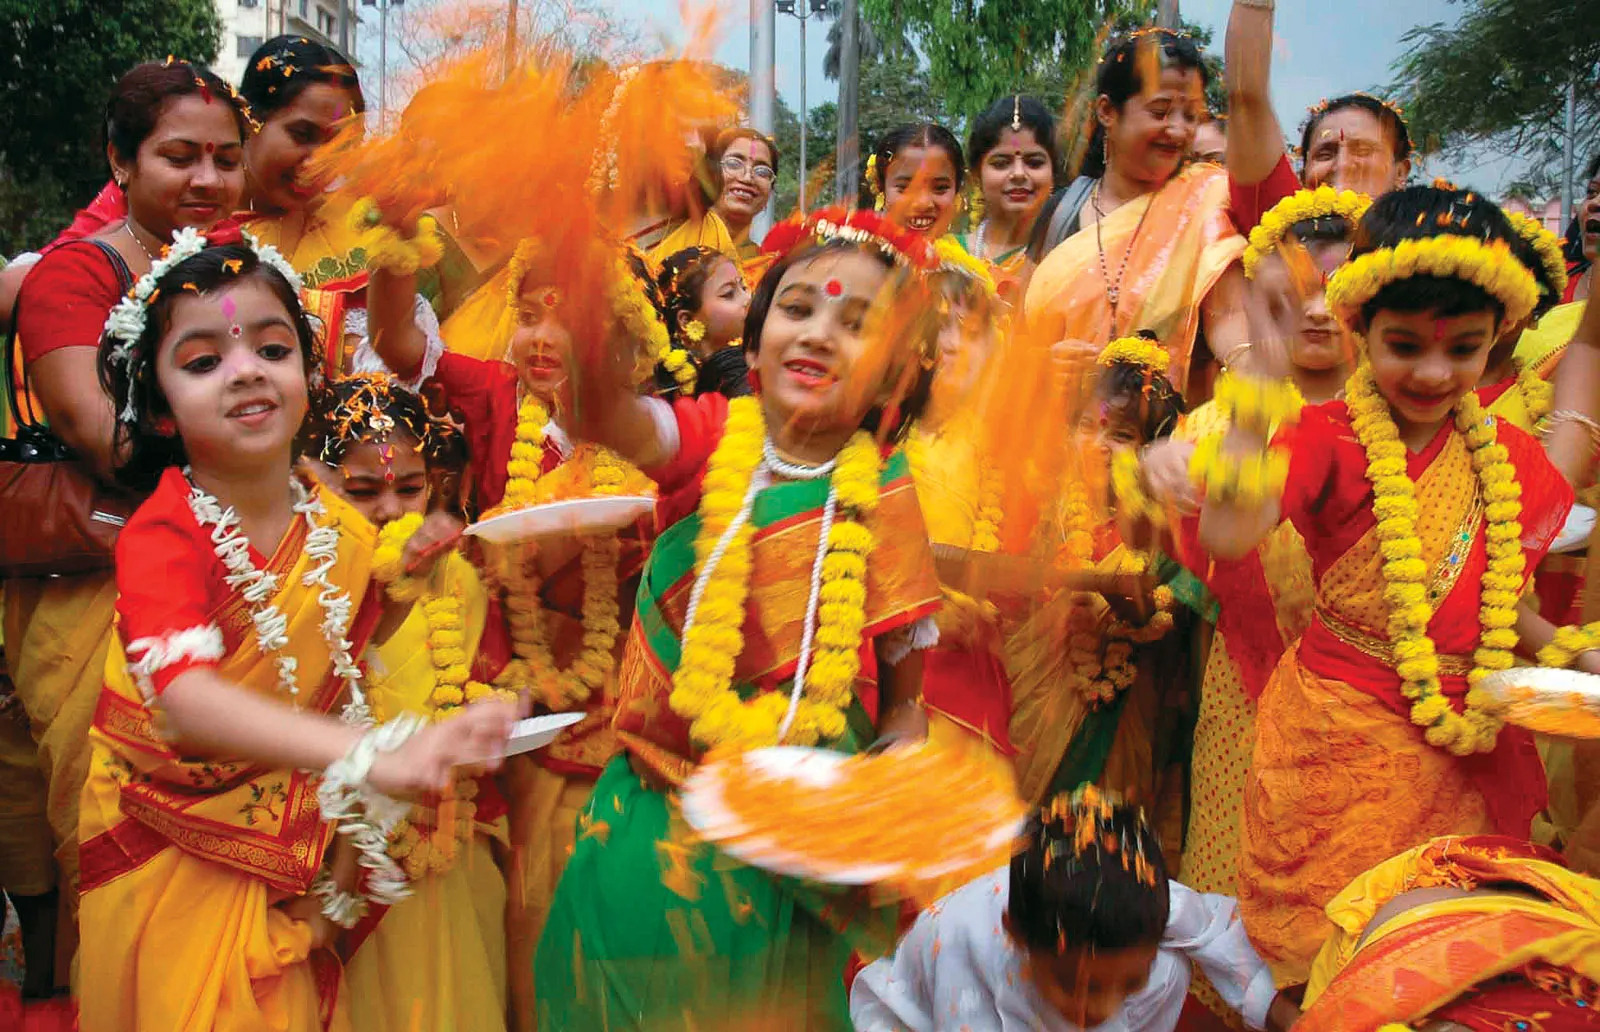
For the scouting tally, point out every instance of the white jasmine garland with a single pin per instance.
(363, 814)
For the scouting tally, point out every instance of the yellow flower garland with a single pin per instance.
(1255, 405)
(1128, 488)
(1323, 202)
(1538, 394)
(1489, 266)
(955, 258)
(643, 323)
(435, 851)
(1547, 245)
(1238, 479)
(1568, 644)
(534, 666)
(1395, 506)
(388, 248)
(702, 686)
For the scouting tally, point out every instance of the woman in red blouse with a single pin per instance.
(176, 137)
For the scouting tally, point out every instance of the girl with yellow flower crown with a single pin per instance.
(703, 301)
(565, 600)
(438, 958)
(1423, 516)
(786, 600)
(1091, 671)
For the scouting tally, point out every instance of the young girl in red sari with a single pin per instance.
(786, 600)
(1423, 517)
(205, 831)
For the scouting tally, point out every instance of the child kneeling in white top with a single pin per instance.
(1082, 931)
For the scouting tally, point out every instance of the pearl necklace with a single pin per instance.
(256, 586)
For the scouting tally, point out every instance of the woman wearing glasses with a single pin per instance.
(734, 186)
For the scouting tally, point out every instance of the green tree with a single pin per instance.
(977, 50)
(1497, 81)
(52, 100)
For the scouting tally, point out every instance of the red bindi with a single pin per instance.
(833, 288)
(210, 147)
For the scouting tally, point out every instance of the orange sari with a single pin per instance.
(1172, 245)
(1340, 777)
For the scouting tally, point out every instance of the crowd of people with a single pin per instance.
(1197, 486)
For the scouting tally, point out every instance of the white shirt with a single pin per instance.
(958, 970)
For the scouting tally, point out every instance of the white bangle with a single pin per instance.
(345, 909)
(364, 814)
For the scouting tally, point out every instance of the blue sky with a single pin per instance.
(1324, 49)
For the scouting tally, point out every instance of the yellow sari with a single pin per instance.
(184, 860)
(437, 959)
(1535, 930)
(1172, 246)
(57, 631)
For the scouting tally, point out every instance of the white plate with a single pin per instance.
(709, 816)
(538, 732)
(571, 517)
(1544, 699)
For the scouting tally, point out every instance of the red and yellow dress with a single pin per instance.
(1340, 777)
(183, 860)
(57, 628)
(1508, 939)
(650, 930)
(546, 789)
(436, 959)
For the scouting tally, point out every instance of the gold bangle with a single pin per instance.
(1561, 416)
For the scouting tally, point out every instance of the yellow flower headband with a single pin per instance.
(1323, 202)
(1489, 266)
(1548, 247)
(1137, 351)
(955, 258)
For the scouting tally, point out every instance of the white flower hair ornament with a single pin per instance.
(128, 319)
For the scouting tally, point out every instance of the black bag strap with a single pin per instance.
(1065, 220)
(15, 388)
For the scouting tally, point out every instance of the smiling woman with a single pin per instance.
(175, 133)
(1144, 241)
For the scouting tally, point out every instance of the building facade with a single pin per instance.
(246, 24)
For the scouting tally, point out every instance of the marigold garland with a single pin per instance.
(1397, 510)
(1127, 487)
(642, 322)
(1538, 394)
(1320, 203)
(1257, 406)
(1568, 644)
(1230, 479)
(388, 248)
(955, 258)
(703, 690)
(527, 455)
(1490, 266)
(1548, 247)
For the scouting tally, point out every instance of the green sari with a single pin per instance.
(650, 930)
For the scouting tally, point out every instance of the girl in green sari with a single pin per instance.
(731, 649)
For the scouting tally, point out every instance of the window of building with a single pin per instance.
(327, 24)
(248, 45)
(305, 8)
(249, 3)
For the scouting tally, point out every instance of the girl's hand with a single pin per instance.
(1070, 357)
(1282, 1014)
(431, 759)
(437, 535)
(905, 724)
(1165, 467)
(1589, 662)
(307, 910)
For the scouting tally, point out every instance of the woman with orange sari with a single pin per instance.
(1013, 159)
(1423, 517)
(1145, 243)
(1481, 933)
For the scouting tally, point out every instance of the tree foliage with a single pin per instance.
(1498, 78)
(52, 147)
(977, 50)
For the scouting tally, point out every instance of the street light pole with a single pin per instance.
(804, 15)
(763, 26)
(849, 147)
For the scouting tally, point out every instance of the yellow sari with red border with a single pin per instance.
(184, 859)
(1528, 958)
